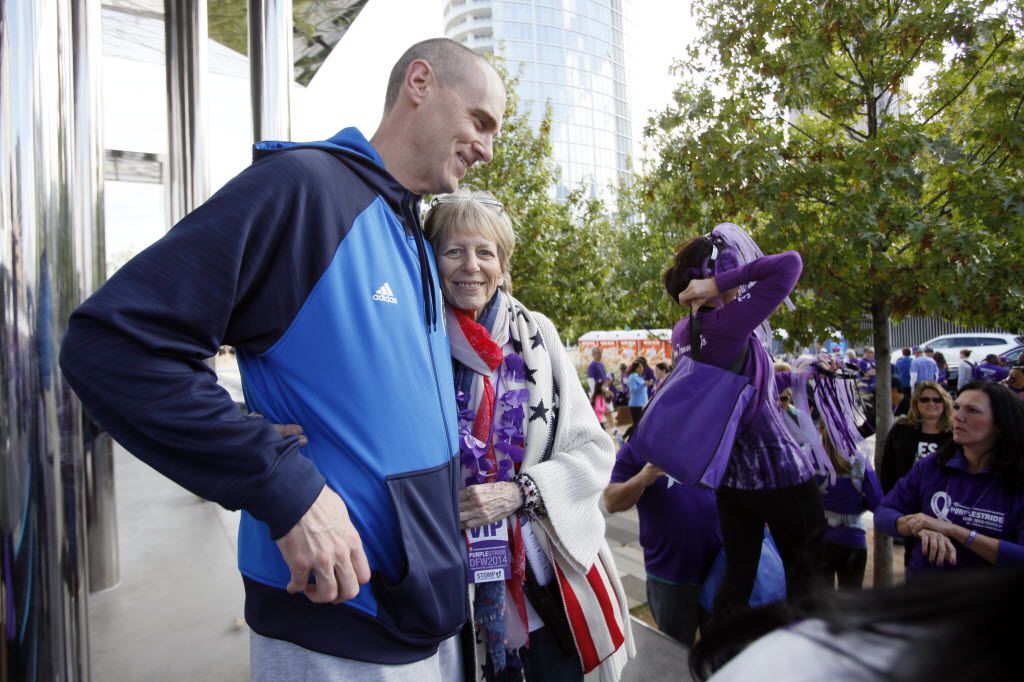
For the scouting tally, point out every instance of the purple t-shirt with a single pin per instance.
(865, 366)
(844, 498)
(764, 455)
(981, 502)
(678, 524)
(989, 372)
(596, 371)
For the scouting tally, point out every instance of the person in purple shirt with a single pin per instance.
(680, 537)
(970, 492)
(769, 478)
(991, 370)
(595, 371)
(844, 553)
(866, 367)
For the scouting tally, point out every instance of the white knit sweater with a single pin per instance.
(572, 480)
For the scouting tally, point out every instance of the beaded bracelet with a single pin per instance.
(533, 506)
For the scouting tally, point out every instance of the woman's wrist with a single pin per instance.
(533, 506)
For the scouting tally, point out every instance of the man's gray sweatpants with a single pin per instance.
(274, 660)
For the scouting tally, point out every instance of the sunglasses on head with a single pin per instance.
(925, 399)
(460, 198)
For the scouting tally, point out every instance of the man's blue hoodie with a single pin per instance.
(312, 264)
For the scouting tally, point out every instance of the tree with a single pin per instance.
(562, 261)
(798, 120)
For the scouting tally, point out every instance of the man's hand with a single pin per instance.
(487, 502)
(286, 430)
(325, 543)
(698, 292)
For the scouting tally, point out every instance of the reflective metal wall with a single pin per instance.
(90, 249)
(44, 580)
(186, 33)
(270, 68)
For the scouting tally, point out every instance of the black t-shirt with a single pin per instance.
(905, 445)
(927, 443)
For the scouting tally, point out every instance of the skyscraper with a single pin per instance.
(568, 52)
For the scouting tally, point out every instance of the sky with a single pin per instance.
(349, 87)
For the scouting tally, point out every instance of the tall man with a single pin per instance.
(313, 265)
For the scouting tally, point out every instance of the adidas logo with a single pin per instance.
(384, 294)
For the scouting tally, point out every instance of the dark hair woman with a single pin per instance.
(943, 627)
(970, 492)
(733, 289)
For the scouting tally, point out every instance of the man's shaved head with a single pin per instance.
(447, 58)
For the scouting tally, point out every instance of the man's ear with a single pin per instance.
(419, 80)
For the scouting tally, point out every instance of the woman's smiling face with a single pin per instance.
(470, 270)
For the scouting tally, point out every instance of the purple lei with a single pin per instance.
(506, 431)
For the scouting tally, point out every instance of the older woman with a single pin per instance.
(534, 459)
(970, 492)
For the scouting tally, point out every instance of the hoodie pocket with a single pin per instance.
(430, 598)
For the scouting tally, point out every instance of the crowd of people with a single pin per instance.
(421, 471)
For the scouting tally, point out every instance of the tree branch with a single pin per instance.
(853, 60)
(798, 128)
(903, 68)
(849, 81)
(856, 134)
(811, 197)
(970, 80)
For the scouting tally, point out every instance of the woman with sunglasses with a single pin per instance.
(965, 503)
(927, 427)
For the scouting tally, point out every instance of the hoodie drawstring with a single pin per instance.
(426, 276)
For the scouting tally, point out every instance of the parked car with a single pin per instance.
(1014, 356)
(979, 343)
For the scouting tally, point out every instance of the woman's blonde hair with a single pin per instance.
(840, 463)
(471, 210)
(913, 417)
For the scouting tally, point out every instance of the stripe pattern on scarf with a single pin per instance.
(593, 610)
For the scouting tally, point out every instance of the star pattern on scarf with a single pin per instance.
(536, 340)
(517, 346)
(529, 376)
(539, 412)
(522, 313)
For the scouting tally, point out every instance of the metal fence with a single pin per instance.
(911, 331)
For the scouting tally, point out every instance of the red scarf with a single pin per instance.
(490, 352)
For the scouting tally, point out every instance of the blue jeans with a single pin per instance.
(676, 609)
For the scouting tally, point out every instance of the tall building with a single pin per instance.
(569, 53)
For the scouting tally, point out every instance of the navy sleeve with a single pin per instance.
(235, 271)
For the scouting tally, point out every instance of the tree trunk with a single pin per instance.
(883, 422)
